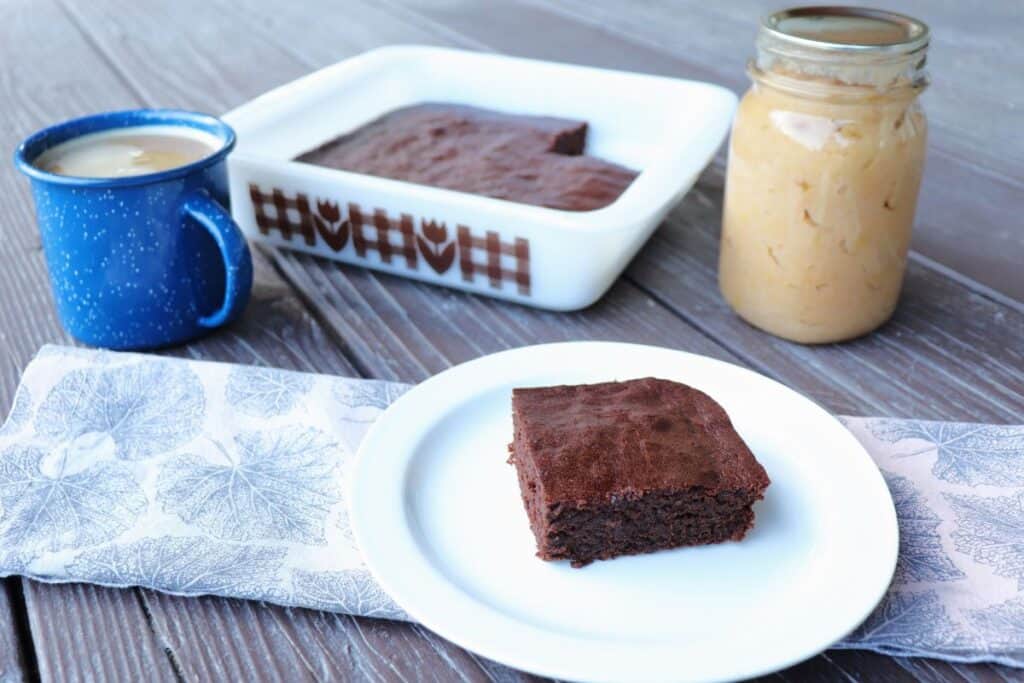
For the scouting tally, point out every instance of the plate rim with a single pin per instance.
(886, 552)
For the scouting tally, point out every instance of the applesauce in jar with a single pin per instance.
(825, 162)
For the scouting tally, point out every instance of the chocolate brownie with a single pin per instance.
(528, 159)
(630, 467)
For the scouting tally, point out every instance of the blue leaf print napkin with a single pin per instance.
(958, 591)
(196, 478)
(187, 477)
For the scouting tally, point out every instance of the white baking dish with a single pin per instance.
(667, 128)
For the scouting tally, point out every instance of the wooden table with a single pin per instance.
(955, 349)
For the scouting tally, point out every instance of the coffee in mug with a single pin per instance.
(127, 152)
(135, 225)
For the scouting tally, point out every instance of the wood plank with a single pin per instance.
(89, 633)
(14, 654)
(249, 641)
(267, 45)
(219, 639)
(952, 321)
(965, 45)
(408, 331)
(945, 354)
(470, 330)
(72, 627)
(84, 632)
(189, 628)
(974, 180)
(214, 638)
(414, 330)
(336, 291)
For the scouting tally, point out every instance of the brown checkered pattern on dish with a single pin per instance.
(281, 220)
(491, 247)
(385, 227)
(390, 236)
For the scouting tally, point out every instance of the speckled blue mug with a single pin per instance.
(140, 261)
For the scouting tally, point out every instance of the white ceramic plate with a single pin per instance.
(437, 512)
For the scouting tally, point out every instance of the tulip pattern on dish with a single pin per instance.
(432, 248)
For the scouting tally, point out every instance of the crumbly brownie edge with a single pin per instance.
(646, 523)
(530, 488)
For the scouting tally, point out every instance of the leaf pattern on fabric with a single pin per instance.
(970, 454)
(367, 393)
(278, 484)
(991, 530)
(1002, 624)
(47, 510)
(261, 516)
(192, 565)
(147, 408)
(352, 591)
(921, 555)
(907, 621)
(265, 392)
(12, 561)
(20, 410)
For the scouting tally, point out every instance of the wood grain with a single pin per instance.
(248, 641)
(351, 321)
(75, 632)
(215, 639)
(90, 633)
(972, 176)
(375, 644)
(961, 58)
(943, 356)
(456, 326)
(448, 327)
(413, 331)
(14, 654)
(82, 632)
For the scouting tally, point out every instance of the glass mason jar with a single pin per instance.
(825, 163)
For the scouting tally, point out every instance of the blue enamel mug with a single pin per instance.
(140, 261)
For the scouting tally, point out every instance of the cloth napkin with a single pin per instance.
(196, 478)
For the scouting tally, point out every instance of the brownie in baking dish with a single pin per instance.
(528, 159)
(630, 467)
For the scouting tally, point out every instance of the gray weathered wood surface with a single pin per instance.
(955, 349)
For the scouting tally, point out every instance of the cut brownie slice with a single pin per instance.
(630, 467)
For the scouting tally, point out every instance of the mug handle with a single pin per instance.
(207, 212)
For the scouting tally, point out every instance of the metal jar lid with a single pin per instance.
(846, 30)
